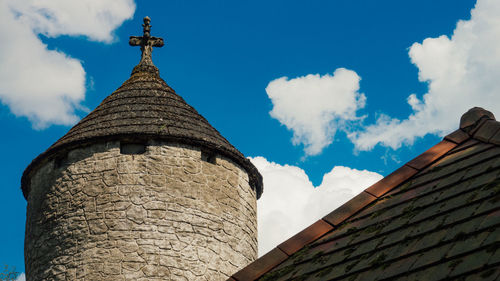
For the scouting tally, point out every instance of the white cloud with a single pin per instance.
(47, 85)
(315, 106)
(21, 277)
(290, 202)
(461, 72)
(95, 19)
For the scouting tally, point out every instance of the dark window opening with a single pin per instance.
(208, 157)
(132, 148)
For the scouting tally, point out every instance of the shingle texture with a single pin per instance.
(143, 108)
(441, 223)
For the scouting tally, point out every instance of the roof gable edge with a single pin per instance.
(273, 258)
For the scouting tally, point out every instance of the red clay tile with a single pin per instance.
(260, 266)
(391, 181)
(431, 154)
(348, 209)
(487, 130)
(458, 136)
(307, 235)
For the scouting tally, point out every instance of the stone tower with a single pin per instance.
(143, 188)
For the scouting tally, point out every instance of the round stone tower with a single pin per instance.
(143, 188)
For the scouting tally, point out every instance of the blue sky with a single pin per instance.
(325, 94)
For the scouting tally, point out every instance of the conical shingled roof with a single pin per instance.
(146, 106)
(143, 108)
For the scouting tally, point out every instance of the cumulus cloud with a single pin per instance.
(315, 106)
(95, 19)
(461, 72)
(290, 202)
(48, 85)
(21, 277)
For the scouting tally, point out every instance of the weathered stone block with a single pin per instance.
(112, 268)
(136, 213)
(97, 226)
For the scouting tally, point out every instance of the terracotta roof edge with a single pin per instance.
(260, 266)
(431, 155)
(288, 247)
(349, 208)
(304, 237)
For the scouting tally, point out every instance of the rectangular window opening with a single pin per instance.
(132, 148)
(208, 157)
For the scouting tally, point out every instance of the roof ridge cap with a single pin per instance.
(478, 123)
(474, 117)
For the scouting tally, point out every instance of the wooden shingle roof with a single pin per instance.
(435, 218)
(144, 108)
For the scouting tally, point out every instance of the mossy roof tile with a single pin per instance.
(429, 273)
(398, 267)
(465, 145)
(430, 256)
(470, 262)
(495, 257)
(466, 245)
(484, 274)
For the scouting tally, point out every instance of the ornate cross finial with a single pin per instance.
(147, 42)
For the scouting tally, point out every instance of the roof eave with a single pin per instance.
(255, 178)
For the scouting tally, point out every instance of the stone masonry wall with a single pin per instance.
(97, 214)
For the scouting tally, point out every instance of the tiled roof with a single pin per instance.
(144, 108)
(435, 218)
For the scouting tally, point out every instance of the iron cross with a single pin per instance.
(146, 41)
